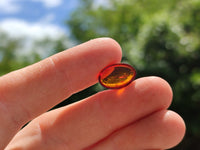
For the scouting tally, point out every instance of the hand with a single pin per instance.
(132, 118)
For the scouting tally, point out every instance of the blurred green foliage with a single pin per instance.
(14, 54)
(159, 38)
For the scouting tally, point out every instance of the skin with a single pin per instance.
(132, 118)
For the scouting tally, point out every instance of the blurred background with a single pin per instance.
(158, 37)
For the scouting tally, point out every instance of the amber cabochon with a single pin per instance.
(117, 76)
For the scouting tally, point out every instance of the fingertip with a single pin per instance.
(109, 46)
(92, 56)
(166, 128)
(169, 128)
(164, 89)
(159, 90)
(175, 128)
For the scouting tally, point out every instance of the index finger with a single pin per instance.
(26, 93)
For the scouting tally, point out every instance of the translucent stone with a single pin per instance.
(116, 76)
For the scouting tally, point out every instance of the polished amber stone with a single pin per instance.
(116, 76)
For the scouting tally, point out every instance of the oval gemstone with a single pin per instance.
(116, 76)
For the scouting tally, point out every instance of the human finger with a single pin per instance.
(161, 130)
(26, 93)
(82, 124)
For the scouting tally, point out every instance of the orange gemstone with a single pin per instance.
(116, 76)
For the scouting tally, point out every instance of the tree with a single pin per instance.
(157, 37)
(15, 55)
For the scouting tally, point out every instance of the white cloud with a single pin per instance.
(32, 32)
(19, 28)
(13, 6)
(50, 3)
(9, 6)
(47, 18)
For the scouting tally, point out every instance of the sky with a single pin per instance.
(35, 18)
(38, 18)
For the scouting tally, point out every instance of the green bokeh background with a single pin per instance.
(158, 37)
